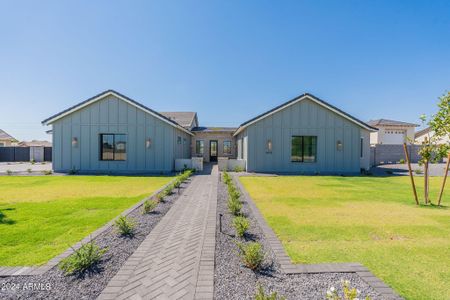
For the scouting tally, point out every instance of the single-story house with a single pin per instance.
(39, 150)
(111, 133)
(427, 133)
(391, 132)
(6, 139)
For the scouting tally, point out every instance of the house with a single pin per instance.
(304, 135)
(427, 133)
(39, 150)
(111, 133)
(6, 139)
(391, 132)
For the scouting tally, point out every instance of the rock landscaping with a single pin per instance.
(117, 244)
(234, 280)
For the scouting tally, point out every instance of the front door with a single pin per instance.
(212, 151)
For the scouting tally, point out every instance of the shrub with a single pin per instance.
(48, 172)
(261, 295)
(125, 226)
(87, 256)
(73, 171)
(349, 293)
(9, 172)
(418, 171)
(29, 170)
(251, 254)
(149, 206)
(233, 192)
(177, 183)
(238, 169)
(241, 225)
(33, 161)
(234, 206)
(226, 178)
(160, 197)
(401, 161)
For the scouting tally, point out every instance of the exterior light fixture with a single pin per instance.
(74, 142)
(338, 145)
(269, 146)
(148, 143)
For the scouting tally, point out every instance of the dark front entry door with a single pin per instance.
(212, 150)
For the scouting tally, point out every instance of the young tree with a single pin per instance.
(440, 125)
(426, 155)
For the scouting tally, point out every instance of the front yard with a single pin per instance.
(371, 220)
(41, 216)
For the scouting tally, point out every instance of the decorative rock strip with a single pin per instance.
(289, 268)
(176, 260)
(31, 271)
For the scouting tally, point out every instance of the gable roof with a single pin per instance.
(422, 132)
(298, 99)
(5, 136)
(184, 118)
(386, 122)
(104, 94)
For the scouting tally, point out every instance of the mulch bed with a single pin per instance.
(232, 280)
(55, 285)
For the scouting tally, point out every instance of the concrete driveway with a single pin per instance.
(24, 168)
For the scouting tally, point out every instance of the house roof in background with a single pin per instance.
(6, 136)
(184, 118)
(422, 132)
(104, 94)
(35, 143)
(298, 99)
(214, 129)
(386, 122)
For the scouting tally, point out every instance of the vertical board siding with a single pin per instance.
(309, 119)
(112, 115)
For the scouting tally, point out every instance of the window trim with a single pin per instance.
(303, 149)
(113, 144)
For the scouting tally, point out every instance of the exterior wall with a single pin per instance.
(421, 139)
(112, 115)
(380, 137)
(5, 143)
(308, 119)
(220, 137)
(365, 158)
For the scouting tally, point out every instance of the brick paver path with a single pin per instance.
(176, 260)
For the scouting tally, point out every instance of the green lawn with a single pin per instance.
(369, 220)
(41, 216)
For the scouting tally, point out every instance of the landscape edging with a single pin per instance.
(289, 268)
(31, 271)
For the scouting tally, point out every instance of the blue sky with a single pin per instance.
(227, 60)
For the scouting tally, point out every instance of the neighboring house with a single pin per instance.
(111, 133)
(304, 135)
(391, 132)
(34, 143)
(427, 133)
(6, 139)
(39, 150)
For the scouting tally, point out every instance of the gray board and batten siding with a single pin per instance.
(152, 142)
(305, 117)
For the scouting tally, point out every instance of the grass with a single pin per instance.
(40, 216)
(371, 220)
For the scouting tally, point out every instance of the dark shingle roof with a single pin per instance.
(184, 118)
(326, 104)
(386, 122)
(214, 129)
(5, 136)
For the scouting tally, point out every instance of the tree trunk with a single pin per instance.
(445, 179)
(410, 173)
(426, 181)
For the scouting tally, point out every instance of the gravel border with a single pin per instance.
(54, 285)
(234, 281)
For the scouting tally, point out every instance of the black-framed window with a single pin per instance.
(227, 147)
(179, 140)
(199, 147)
(304, 149)
(362, 147)
(113, 146)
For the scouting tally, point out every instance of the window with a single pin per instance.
(113, 147)
(269, 146)
(304, 149)
(227, 147)
(184, 141)
(179, 140)
(362, 147)
(199, 146)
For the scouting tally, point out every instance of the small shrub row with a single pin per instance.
(182, 177)
(83, 259)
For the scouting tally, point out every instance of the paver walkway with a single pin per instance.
(176, 260)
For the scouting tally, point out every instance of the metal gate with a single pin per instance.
(47, 153)
(11, 154)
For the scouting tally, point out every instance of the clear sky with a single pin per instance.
(227, 60)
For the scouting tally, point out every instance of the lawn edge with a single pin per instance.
(39, 270)
(288, 267)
